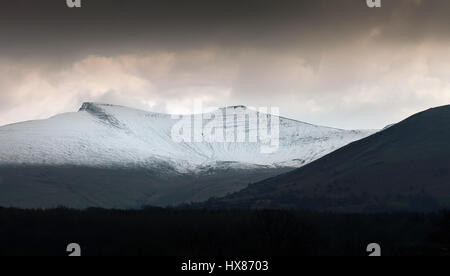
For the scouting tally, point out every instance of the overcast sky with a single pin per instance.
(329, 62)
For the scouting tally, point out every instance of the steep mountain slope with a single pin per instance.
(404, 167)
(113, 156)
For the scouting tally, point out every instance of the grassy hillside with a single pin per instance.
(405, 167)
(123, 188)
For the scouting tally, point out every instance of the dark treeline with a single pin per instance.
(167, 232)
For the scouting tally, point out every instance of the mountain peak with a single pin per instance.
(119, 144)
(91, 106)
(235, 107)
(86, 106)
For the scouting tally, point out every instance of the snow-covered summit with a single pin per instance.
(111, 135)
(235, 107)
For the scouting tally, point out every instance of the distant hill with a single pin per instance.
(404, 167)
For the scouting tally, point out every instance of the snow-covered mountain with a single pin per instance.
(109, 135)
(117, 157)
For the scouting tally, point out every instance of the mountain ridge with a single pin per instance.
(117, 157)
(405, 167)
(140, 131)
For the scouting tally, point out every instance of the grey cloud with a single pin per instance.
(329, 62)
(111, 27)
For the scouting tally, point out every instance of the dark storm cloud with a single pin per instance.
(332, 62)
(49, 27)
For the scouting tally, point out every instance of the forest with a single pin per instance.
(171, 232)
